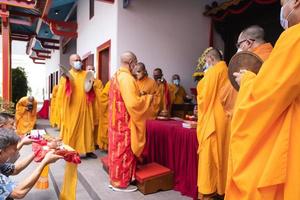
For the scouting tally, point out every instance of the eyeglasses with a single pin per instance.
(238, 45)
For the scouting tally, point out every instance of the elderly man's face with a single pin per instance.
(8, 152)
(139, 72)
(132, 65)
(90, 68)
(157, 75)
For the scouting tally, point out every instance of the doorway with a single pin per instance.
(103, 56)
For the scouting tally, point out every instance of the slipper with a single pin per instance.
(130, 188)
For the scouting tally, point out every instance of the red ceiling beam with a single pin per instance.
(47, 40)
(19, 3)
(20, 22)
(61, 28)
(48, 43)
(43, 55)
(20, 37)
(40, 50)
(18, 13)
(36, 58)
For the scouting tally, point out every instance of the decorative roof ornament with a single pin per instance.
(199, 72)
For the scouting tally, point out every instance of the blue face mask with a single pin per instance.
(176, 82)
(77, 65)
(284, 21)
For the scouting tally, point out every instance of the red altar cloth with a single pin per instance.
(175, 147)
(44, 112)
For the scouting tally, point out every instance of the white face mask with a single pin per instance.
(95, 76)
(77, 65)
(206, 67)
(284, 21)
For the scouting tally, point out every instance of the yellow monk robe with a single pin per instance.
(77, 127)
(59, 102)
(164, 96)
(228, 97)
(78, 119)
(25, 120)
(97, 86)
(178, 94)
(264, 147)
(211, 130)
(102, 136)
(53, 108)
(148, 86)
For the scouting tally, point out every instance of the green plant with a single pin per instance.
(19, 84)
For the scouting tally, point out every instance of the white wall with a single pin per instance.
(52, 65)
(170, 34)
(101, 28)
(35, 73)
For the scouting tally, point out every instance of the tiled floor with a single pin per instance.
(92, 180)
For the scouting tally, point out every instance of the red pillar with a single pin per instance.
(6, 55)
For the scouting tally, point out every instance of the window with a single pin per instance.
(92, 8)
(107, 1)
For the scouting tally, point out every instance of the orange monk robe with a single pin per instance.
(25, 120)
(97, 86)
(164, 96)
(77, 117)
(102, 136)
(148, 86)
(211, 130)
(53, 108)
(59, 102)
(264, 145)
(178, 94)
(263, 50)
(228, 97)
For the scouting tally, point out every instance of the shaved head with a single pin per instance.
(175, 76)
(30, 98)
(141, 66)
(129, 59)
(215, 54)
(74, 57)
(254, 32)
(140, 71)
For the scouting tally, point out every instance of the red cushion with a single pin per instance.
(104, 160)
(145, 172)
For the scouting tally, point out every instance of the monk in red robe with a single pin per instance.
(127, 131)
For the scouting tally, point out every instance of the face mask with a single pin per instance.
(77, 65)
(206, 66)
(176, 82)
(284, 21)
(93, 73)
